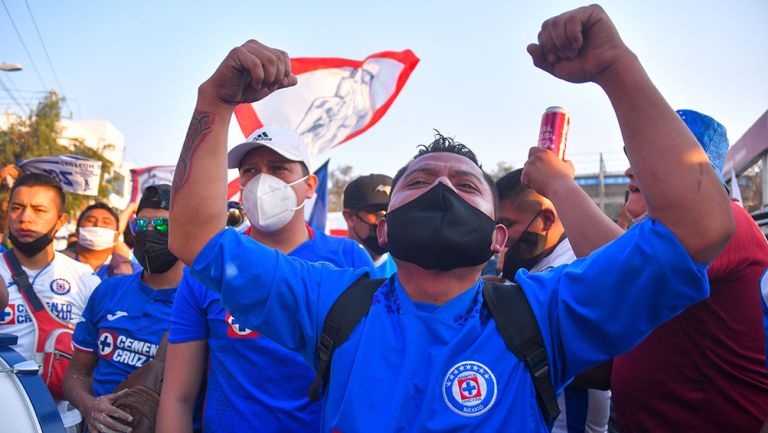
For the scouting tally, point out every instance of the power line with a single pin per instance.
(37, 72)
(48, 57)
(8, 91)
(28, 99)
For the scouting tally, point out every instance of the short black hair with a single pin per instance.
(510, 185)
(39, 179)
(442, 143)
(99, 205)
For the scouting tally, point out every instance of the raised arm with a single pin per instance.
(248, 73)
(583, 45)
(587, 227)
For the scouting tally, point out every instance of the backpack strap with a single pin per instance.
(345, 313)
(518, 326)
(22, 280)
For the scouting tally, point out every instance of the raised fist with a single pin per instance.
(249, 73)
(578, 46)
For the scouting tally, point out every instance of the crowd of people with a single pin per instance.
(582, 326)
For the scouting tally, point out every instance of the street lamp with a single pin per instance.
(9, 67)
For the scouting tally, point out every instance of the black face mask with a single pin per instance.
(151, 250)
(526, 252)
(31, 248)
(371, 241)
(440, 230)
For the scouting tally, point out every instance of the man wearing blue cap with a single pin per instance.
(703, 370)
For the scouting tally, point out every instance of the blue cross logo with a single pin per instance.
(105, 344)
(469, 388)
(6, 315)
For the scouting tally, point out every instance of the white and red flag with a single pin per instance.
(335, 99)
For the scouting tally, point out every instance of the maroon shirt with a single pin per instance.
(704, 370)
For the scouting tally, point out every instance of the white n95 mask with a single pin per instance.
(269, 202)
(96, 238)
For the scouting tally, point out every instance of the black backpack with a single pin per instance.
(507, 304)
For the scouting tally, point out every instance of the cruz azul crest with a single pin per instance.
(469, 388)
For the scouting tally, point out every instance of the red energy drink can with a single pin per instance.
(553, 133)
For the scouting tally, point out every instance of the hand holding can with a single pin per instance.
(553, 133)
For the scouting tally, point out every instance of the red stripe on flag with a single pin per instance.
(247, 119)
(233, 187)
(409, 61)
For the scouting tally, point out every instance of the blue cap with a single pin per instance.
(711, 136)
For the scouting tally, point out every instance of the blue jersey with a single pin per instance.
(410, 366)
(253, 383)
(386, 268)
(123, 324)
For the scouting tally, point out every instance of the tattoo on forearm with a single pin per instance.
(199, 128)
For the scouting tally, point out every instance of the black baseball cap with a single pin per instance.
(156, 197)
(368, 191)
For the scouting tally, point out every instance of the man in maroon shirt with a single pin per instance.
(704, 370)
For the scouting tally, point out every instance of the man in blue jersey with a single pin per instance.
(125, 319)
(428, 356)
(247, 373)
(365, 203)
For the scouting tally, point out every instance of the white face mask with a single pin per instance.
(96, 238)
(269, 202)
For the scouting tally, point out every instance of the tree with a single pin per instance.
(340, 177)
(502, 168)
(38, 135)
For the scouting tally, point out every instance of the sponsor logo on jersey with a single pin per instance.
(8, 316)
(125, 350)
(117, 315)
(62, 310)
(15, 314)
(60, 286)
(236, 330)
(469, 388)
(106, 344)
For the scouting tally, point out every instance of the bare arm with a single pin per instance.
(249, 73)
(583, 45)
(98, 412)
(587, 227)
(184, 369)
(3, 295)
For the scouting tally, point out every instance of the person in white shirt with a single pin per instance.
(537, 242)
(35, 214)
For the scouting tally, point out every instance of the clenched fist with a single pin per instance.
(249, 73)
(579, 46)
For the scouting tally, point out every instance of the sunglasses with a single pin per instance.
(142, 224)
(371, 217)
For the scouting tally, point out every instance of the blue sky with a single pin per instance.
(138, 65)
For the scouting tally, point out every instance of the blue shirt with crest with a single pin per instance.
(410, 366)
(123, 324)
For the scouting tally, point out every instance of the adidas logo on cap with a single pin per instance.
(262, 137)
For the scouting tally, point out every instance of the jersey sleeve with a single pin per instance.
(282, 297)
(359, 258)
(189, 321)
(86, 333)
(604, 304)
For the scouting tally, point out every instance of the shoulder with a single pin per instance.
(61, 261)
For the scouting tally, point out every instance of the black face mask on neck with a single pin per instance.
(526, 252)
(371, 241)
(151, 250)
(440, 230)
(32, 248)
